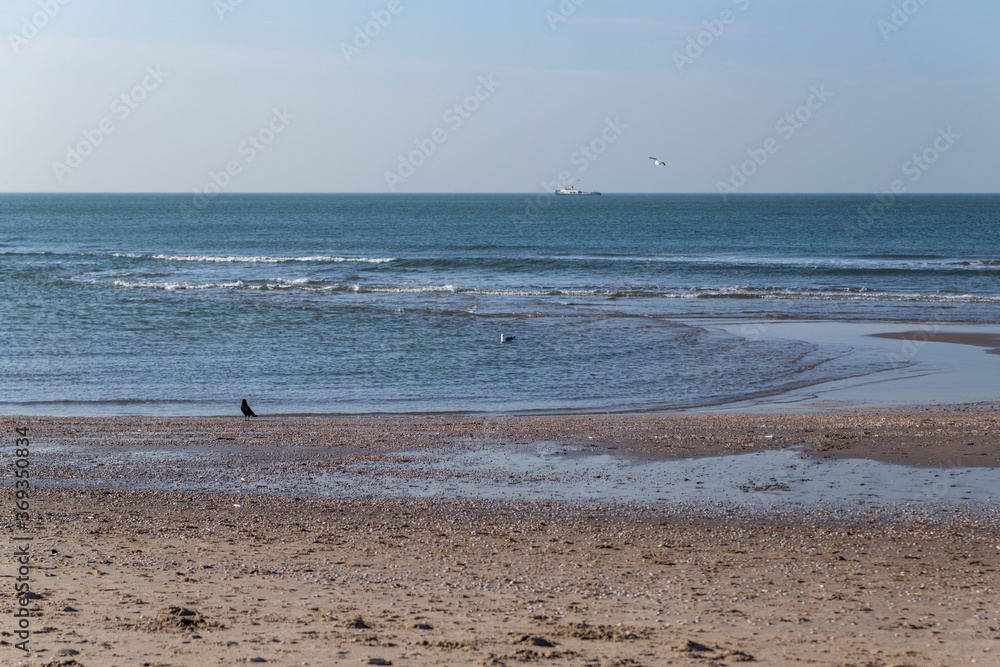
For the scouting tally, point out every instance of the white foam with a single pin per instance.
(260, 259)
(404, 290)
(741, 291)
(172, 286)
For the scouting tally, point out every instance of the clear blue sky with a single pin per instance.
(200, 77)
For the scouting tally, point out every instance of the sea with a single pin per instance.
(156, 304)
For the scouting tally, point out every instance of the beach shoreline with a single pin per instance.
(235, 563)
(931, 435)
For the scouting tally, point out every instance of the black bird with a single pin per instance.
(247, 412)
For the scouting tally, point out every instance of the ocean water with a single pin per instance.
(124, 304)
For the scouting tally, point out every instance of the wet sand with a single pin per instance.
(257, 570)
(989, 341)
(962, 435)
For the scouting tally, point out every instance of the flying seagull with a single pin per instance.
(247, 412)
(504, 338)
(658, 163)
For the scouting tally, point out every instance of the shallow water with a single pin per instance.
(543, 472)
(768, 477)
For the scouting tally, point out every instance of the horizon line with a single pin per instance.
(484, 193)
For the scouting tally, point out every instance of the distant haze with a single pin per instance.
(514, 96)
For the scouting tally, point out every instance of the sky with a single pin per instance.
(412, 96)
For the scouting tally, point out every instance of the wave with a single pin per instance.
(978, 263)
(304, 284)
(735, 292)
(449, 289)
(855, 265)
(171, 286)
(830, 265)
(849, 264)
(844, 294)
(258, 259)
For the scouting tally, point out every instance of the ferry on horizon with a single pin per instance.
(571, 190)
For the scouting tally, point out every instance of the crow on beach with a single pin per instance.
(247, 412)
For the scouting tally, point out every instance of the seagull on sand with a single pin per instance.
(657, 163)
(247, 412)
(504, 338)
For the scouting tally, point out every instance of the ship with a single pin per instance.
(571, 190)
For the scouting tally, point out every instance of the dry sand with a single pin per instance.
(194, 578)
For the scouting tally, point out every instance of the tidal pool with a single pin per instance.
(536, 472)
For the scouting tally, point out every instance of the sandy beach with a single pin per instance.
(173, 541)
